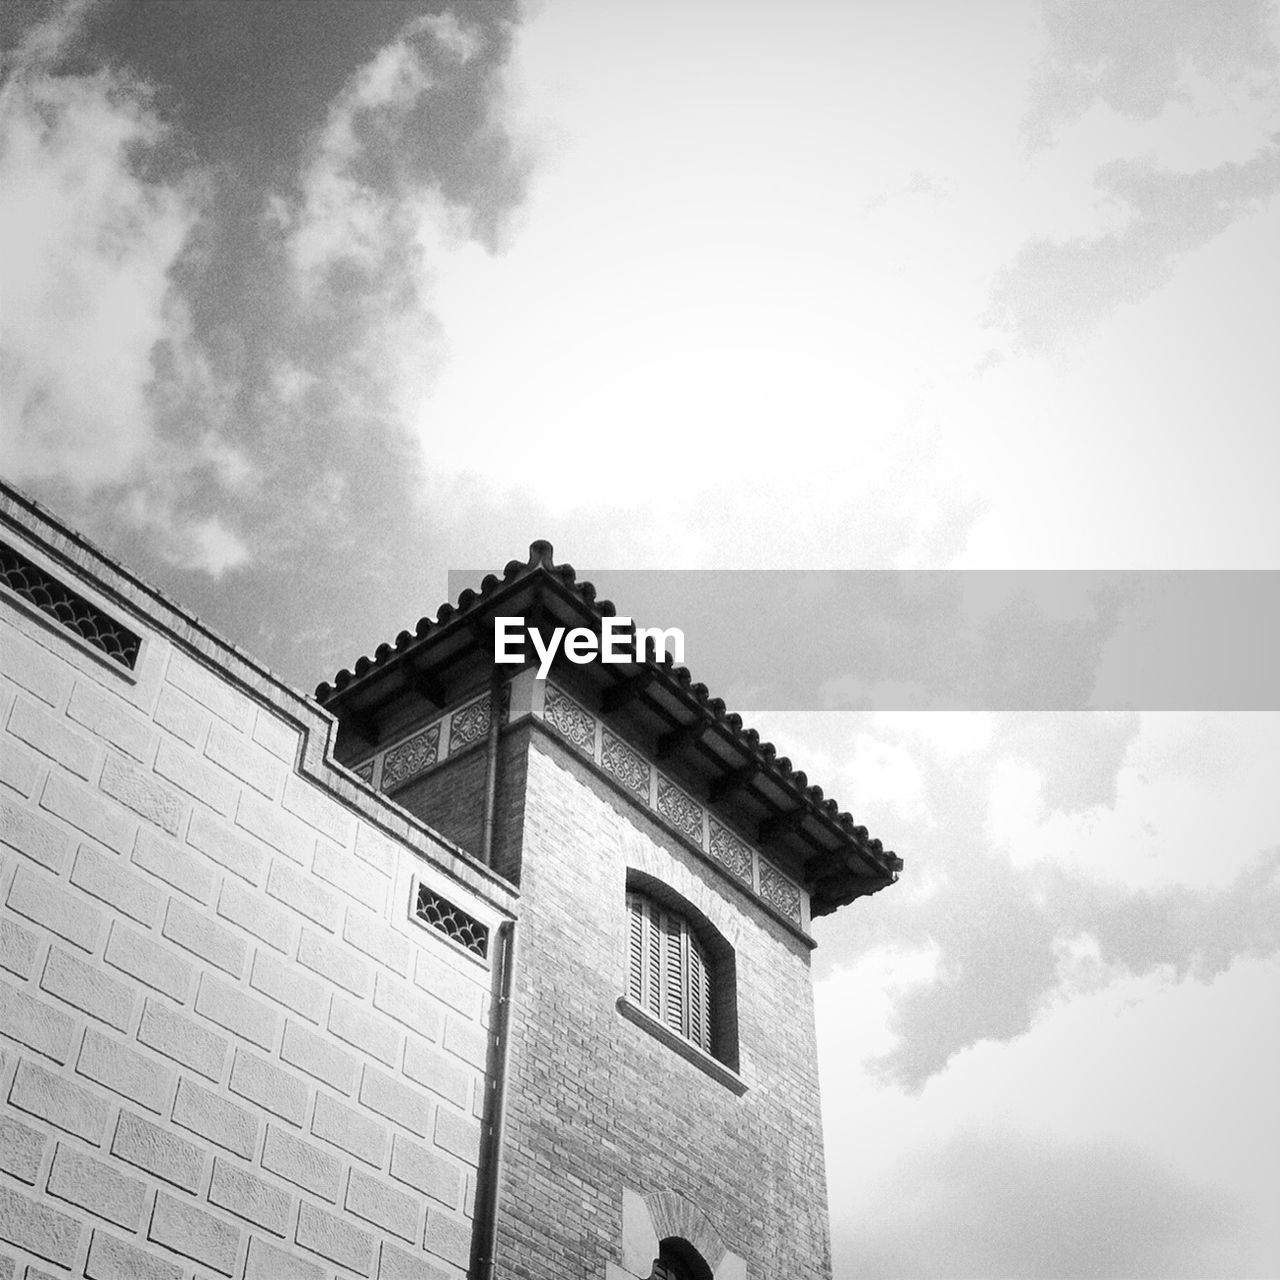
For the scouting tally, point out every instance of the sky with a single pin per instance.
(305, 304)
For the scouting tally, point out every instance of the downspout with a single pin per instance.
(485, 1245)
(491, 767)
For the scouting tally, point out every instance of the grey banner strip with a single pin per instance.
(982, 640)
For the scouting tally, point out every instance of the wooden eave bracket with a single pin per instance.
(363, 723)
(781, 824)
(723, 788)
(626, 691)
(682, 736)
(427, 686)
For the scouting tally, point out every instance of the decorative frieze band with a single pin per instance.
(570, 721)
(630, 768)
(469, 724)
(675, 807)
(777, 889)
(731, 853)
(425, 748)
(454, 731)
(683, 813)
(411, 757)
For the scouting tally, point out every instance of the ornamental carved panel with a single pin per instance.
(779, 892)
(411, 757)
(364, 772)
(683, 814)
(629, 768)
(469, 724)
(730, 852)
(569, 720)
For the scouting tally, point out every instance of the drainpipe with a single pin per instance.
(491, 768)
(485, 1246)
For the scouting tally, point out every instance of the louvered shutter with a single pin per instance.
(635, 960)
(667, 973)
(699, 997)
(652, 961)
(673, 969)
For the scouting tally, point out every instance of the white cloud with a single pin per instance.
(344, 215)
(342, 218)
(1016, 809)
(855, 1005)
(86, 289)
(97, 348)
(363, 239)
(1149, 1089)
(1186, 783)
(461, 43)
(215, 548)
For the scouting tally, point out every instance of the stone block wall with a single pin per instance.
(226, 1047)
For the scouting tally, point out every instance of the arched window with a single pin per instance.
(669, 1271)
(678, 1260)
(668, 975)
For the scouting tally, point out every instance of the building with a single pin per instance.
(447, 971)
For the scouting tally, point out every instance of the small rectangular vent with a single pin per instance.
(62, 604)
(452, 921)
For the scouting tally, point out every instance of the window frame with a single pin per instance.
(668, 971)
(715, 1051)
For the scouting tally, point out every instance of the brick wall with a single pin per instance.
(225, 1047)
(451, 799)
(597, 1104)
(453, 796)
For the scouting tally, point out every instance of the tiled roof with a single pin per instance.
(541, 561)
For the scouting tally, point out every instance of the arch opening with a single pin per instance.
(678, 1260)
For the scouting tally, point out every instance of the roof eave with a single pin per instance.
(838, 843)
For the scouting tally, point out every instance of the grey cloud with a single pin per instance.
(1005, 1205)
(997, 927)
(276, 420)
(1077, 754)
(1195, 933)
(996, 963)
(1134, 57)
(1054, 289)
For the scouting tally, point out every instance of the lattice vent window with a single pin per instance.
(453, 922)
(62, 604)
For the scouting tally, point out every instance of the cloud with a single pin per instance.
(343, 221)
(981, 1205)
(386, 159)
(1009, 941)
(1047, 857)
(1056, 289)
(219, 330)
(1138, 57)
(86, 285)
(40, 37)
(1184, 99)
(1190, 932)
(108, 392)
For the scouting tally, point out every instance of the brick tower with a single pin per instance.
(651, 1100)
